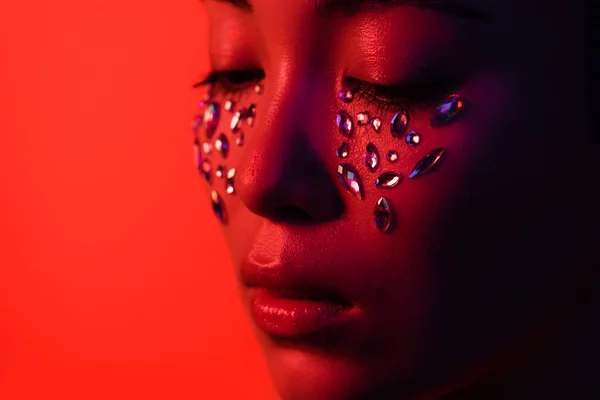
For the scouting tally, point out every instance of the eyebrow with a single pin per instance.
(327, 7)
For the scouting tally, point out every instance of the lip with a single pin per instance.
(282, 315)
(286, 306)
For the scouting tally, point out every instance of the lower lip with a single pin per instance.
(289, 317)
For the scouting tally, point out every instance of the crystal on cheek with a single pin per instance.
(222, 145)
(363, 118)
(376, 124)
(345, 124)
(447, 110)
(206, 170)
(236, 120)
(219, 171)
(413, 138)
(399, 124)
(218, 206)
(251, 115)
(350, 180)
(343, 150)
(207, 148)
(228, 106)
(239, 140)
(371, 157)
(345, 96)
(229, 182)
(196, 124)
(259, 88)
(383, 214)
(392, 156)
(211, 119)
(427, 163)
(388, 180)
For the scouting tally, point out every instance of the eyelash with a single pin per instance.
(407, 97)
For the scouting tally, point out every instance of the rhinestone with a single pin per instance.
(219, 171)
(392, 156)
(222, 145)
(376, 124)
(218, 206)
(346, 96)
(427, 163)
(197, 154)
(251, 115)
(388, 180)
(228, 106)
(196, 124)
(413, 138)
(236, 120)
(350, 180)
(448, 110)
(383, 214)
(206, 170)
(207, 148)
(211, 119)
(259, 89)
(399, 124)
(239, 140)
(343, 151)
(345, 124)
(371, 157)
(229, 188)
(362, 119)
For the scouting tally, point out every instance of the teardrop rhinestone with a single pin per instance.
(376, 124)
(383, 214)
(427, 163)
(413, 138)
(345, 124)
(229, 182)
(350, 180)
(218, 206)
(197, 154)
(207, 148)
(251, 115)
(363, 119)
(239, 140)
(228, 106)
(371, 157)
(211, 119)
(388, 180)
(236, 120)
(219, 171)
(392, 156)
(259, 88)
(447, 110)
(196, 124)
(206, 170)
(399, 124)
(343, 150)
(346, 96)
(222, 145)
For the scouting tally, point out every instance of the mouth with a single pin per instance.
(294, 314)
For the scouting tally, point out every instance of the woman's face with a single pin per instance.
(475, 258)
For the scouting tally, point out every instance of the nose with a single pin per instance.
(283, 175)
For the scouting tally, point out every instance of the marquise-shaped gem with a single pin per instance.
(345, 124)
(383, 214)
(211, 118)
(228, 105)
(343, 150)
(251, 115)
(222, 145)
(206, 169)
(350, 180)
(447, 110)
(218, 206)
(376, 124)
(219, 171)
(388, 180)
(239, 140)
(236, 120)
(399, 124)
(371, 157)
(207, 148)
(427, 163)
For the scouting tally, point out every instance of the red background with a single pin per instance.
(113, 283)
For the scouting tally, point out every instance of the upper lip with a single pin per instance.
(285, 280)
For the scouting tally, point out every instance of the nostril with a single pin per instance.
(290, 214)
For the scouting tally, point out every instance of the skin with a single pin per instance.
(483, 289)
